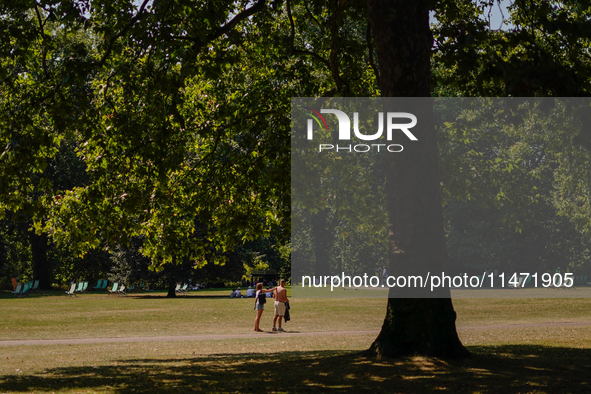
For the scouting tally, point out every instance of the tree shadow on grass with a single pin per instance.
(507, 369)
(136, 295)
(34, 294)
(178, 296)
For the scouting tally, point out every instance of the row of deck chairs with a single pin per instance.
(101, 285)
(81, 287)
(181, 288)
(117, 289)
(24, 289)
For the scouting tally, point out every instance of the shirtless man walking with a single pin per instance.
(280, 300)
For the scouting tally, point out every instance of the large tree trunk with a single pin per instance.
(171, 289)
(424, 326)
(41, 268)
(171, 278)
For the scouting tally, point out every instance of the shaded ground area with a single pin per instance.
(507, 369)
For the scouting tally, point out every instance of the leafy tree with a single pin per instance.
(541, 53)
(15, 252)
(480, 240)
(169, 122)
(337, 224)
(168, 142)
(537, 54)
(520, 175)
(178, 111)
(40, 98)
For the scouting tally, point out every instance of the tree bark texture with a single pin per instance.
(423, 326)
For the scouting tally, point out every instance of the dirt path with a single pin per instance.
(206, 337)
(266, 334)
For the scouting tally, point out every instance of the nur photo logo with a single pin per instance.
(392, 122)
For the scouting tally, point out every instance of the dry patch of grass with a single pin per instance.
(276, 367)
(102, 315)
(575, 337)
(510, 359)
(36, 359)
(487, 311)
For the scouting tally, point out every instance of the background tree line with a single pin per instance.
(162, 127)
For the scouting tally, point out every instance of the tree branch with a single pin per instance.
(292, 41)
(136, 18)
(313, 17)
(370, 51)
(41, 35)
(334, 47)
(260, 4)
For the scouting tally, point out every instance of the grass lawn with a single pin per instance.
(517, 346)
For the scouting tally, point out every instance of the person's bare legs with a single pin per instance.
(277, 318)
(257, 319)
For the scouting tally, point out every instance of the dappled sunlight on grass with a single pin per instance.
(510, 369)
(547, 351)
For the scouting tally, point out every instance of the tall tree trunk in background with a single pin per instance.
(171, 288)
(41, 268)
(171, 277)
(322, 239)
(424, 326)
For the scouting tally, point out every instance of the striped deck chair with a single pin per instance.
(72, 290)
(114, 289)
